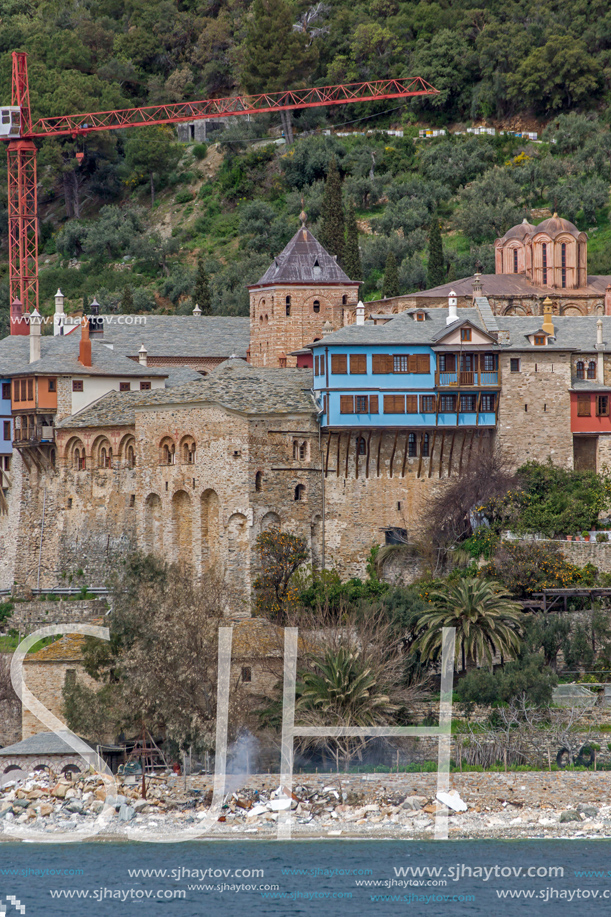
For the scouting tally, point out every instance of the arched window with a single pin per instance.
(411, 445)
(300, 493)
(544, 262)
(77, 459)
(515, 261)
(563, 263)
(288, 305)
(361, 446)
(131, 457)
(187, 449)
(167, 451)
(591, 370)
(259, 481)
(103, 459)
(316, 305)
(425, 445)
(303, 451)
(295, 449)
(344, 300)
(579, 369)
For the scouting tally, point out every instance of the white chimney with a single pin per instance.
(35, 331)
(599, 332)
(360, 313)
(59, 317)
(143, 356)
(197, 311)
(452, 308)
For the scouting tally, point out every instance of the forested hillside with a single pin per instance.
(128, 220)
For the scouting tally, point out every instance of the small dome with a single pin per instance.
(519, 231)
(555, 225)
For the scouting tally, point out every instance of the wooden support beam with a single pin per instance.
(405, 455)
(392, 456)
(451, 454)
(327, 454)
(348, 452)
(421, 448)
(432, 453)
(470, 448)
(356, 457)
(462, 449)
(379, 450)
(443, 439)
(339, 441)
(368, 454)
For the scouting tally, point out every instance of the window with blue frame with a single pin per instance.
(488, 403)
(411, 445)
(468, 403)
(448, 403)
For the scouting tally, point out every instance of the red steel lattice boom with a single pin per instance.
(22, 200)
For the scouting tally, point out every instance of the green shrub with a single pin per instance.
(200, 150)
(6, 610)
(183, 197)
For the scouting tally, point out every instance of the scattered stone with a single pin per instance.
(588, 811)
(568, 816)
(126, 813)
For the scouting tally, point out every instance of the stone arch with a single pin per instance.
(101, 452)
(316, 541)
(75, 453)
(572, 308)
(167, 451)
(187, 450)
(270, 521)
(299, 494)
(182, 526)
(259, 481)
(237, 553)
(127, 451)
(210, 527)
(514, 309)
(152, 524)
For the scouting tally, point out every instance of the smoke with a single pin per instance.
(242, 758)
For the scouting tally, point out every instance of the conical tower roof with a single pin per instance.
(304, 261)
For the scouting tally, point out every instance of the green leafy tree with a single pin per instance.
(352, 256)
(281, 555)
(201, 290)
(332, 233)
(152, 152)
(127, 301)
(436, 269)
(487, 621)
(391, 277)
(528, 678)
(275, 56)
(524, 569)
(556, 76)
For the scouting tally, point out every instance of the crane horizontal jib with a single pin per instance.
(260, 103)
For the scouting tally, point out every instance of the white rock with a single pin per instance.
(277, 805)
(256, 810)
(452, 801)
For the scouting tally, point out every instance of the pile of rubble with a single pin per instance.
(505, 805)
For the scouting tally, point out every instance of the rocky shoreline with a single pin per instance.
(507, 805)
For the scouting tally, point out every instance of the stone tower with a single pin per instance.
(301, 290)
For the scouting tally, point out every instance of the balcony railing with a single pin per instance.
(33, 436)
(466, 378)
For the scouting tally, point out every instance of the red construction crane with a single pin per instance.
(17, 128)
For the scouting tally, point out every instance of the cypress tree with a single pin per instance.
(391, 277)
(436, 273)
(352, 256)
(332, 232)
(127, 301)
(201, 291)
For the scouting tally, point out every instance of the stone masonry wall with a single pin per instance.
(28, 616)
(534, 419)
(46, 681)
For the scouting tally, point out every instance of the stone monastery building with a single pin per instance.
(189, 435)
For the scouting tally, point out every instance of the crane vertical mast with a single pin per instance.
(22, 204)
(16, 126)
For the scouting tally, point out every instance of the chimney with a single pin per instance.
(599, 333)
(477, 286)
(197, 311)
(96, 322)
(327, 328)
(360, 313)
(452, 308)
(58, 318)
(143, 356)
(600, 347)
(35, 322)
(548, 324)
(19, 323)
(84, 352)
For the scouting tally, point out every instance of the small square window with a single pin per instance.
(77, 385)
(69, 502)
(52, 385)
(361, 404)
(144, 386)
(7, 430)
(465, 334)
(246, 673)
(124, 386)
(514, 365)
(539, 340)
(6, 391)
(602, 405)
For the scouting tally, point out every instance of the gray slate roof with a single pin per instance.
(572, 332)
(180, 335)
(304, 260)
(510, 285)
(234, 384)
(59, 354)
(402, 329)
(43, 743)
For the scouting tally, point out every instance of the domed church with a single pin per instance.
(531, 264)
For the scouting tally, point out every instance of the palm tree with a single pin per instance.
(486, 618)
